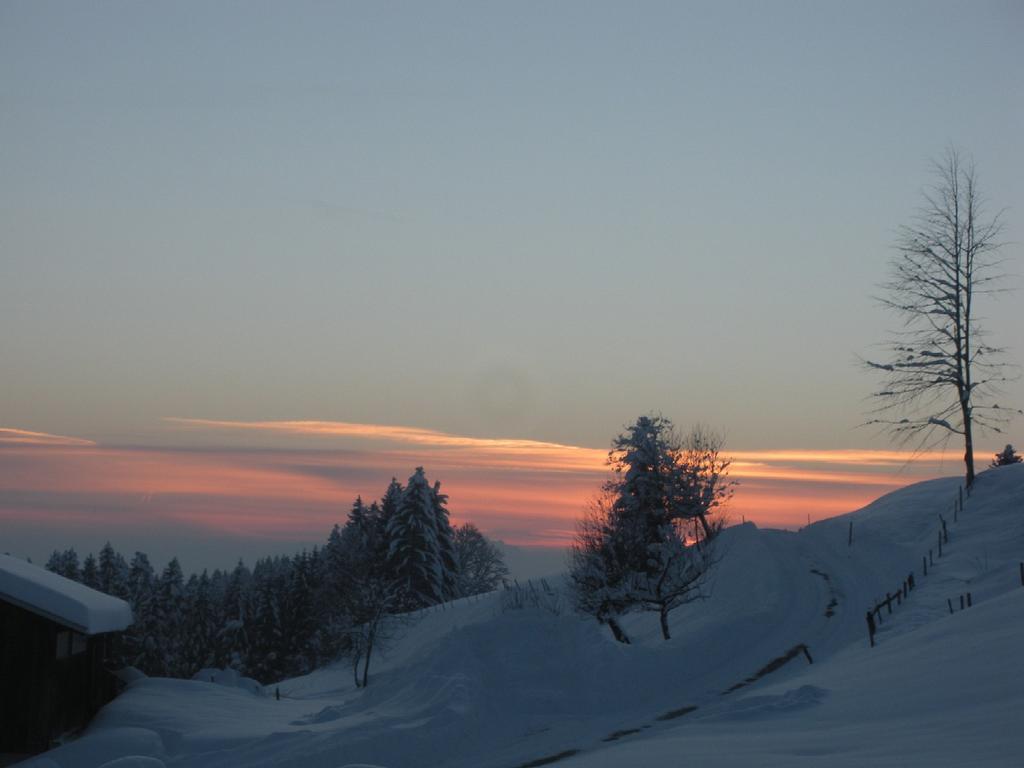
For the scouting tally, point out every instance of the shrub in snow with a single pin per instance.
(518, 597)
(1006, 457)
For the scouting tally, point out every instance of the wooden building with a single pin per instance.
(55, 638)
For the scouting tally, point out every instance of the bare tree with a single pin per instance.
(481, 564)
(704, 480)
(939, 373)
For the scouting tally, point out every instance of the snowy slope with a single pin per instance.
(473, 685)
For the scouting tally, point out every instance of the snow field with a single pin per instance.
(474, 685)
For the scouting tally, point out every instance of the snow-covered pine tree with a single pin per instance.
(391, 500)
(90, 572)
(264, 628)
(200, 625)
(65, 563)
(414, 556)
(300, 620)
(445, 545)
(167, 658)
(139, 642)
(113, 572)
(644, 490)
(232, 648)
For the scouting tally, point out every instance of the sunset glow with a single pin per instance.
(521, 491)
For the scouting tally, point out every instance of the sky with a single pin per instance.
(494, 221)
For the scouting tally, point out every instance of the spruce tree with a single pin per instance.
(113, 572)
(90, 573)
(140, 644)
(445, 544)
(414, 554)
(169, 616)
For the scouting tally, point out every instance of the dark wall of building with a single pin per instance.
(52, 679)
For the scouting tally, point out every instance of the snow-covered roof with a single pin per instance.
(61, 600)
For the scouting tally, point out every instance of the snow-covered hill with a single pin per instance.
(480, 684)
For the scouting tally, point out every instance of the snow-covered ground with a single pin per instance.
(477, 684)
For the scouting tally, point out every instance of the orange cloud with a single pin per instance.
(11, 436)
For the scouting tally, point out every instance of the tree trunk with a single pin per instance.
(965, 409)
(366, 662)
(355, 668)
(704, 524)
(617, 631)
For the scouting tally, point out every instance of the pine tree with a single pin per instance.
(265, 632)
(232, 637)
(414, 555)
(200, 625)
(140, 643)
(445, 544)
(113, 573)
(169, 617)
(90, 573)
(644, 490)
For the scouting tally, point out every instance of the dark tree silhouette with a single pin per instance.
(939, 373)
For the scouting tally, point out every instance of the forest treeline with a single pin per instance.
(288, 615)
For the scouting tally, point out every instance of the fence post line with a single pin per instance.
(968, 599)
(961, 602)
(950, 604)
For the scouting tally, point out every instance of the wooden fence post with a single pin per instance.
(1022, 574)
(888, 602)
(950, 604)
(849, 538)
(871, 628)
(930, 561)
(961, 602)
(968, 599)
(924, 562)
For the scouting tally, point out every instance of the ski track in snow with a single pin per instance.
(473, 686)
